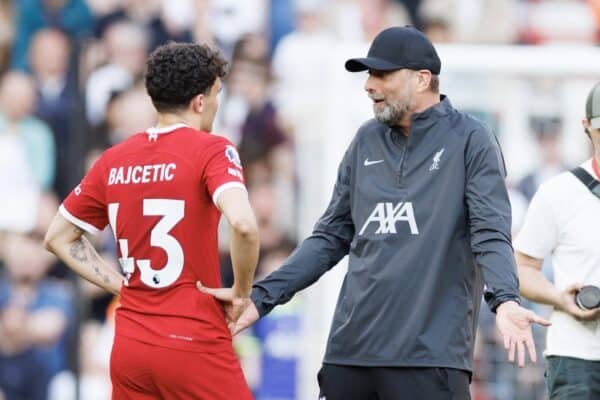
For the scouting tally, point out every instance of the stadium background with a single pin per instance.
(70, 86)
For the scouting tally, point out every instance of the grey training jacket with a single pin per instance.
(425, 220)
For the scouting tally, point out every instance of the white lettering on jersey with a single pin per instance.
(141, 174)
(386, 214)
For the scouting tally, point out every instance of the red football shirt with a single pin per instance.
(158, 190)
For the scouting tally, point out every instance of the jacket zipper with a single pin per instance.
(402, 158)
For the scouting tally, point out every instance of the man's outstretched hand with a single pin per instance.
(514, 323)
(240, 311)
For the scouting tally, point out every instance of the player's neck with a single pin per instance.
(168, 119)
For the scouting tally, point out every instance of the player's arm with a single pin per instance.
(67, 242)
(490, 219)
(317, 254)
(328, 244)
(244, 245)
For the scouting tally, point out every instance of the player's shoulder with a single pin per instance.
(469, 127)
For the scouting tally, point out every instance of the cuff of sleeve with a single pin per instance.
(89, 228)
(259, 298)
(494, 301)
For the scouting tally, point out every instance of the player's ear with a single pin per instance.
(197, 103)
(423, 80)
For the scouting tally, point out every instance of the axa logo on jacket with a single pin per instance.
(388, 214)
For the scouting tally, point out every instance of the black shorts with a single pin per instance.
(342, 382)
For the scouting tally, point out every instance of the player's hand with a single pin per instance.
(249, 316)
(240, 311)
(514, 323)
(567, 304)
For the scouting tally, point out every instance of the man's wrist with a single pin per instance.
(239, 292)
(507, 303)
(494, 305)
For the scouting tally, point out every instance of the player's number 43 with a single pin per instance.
(171, 212)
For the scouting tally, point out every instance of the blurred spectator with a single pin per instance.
(547, 131)
(58, 97)
(70, 16)
(471, 21)
(360, 20)
(163, 20)
(545, 21)
(94, 359)
(438, 29)
(298, 79)
(126, 46)
(27, 153)
(35, 315)
(268, 206)
(6, 33)
(129, 112)
(260, 133)
(281, 21)
(230, 20)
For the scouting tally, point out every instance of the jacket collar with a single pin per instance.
(437, 110)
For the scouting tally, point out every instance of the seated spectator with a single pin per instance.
(128, 112)
(547, 131)
(472, 21)
(126, 46)
(163, 20)
(261, 132)
(57, 101)
(27, 153)
(35, 316)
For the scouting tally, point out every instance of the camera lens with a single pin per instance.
(588, 297)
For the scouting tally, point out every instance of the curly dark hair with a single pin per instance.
(176, 72)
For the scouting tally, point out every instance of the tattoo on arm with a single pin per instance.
(78, 250)
(82, 251)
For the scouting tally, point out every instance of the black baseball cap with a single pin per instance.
(592, 107)
(397, 48)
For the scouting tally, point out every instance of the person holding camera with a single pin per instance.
(563, 220)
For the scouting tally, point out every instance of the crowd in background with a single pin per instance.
(71, 85)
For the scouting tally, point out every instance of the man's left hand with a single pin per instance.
(514, 323)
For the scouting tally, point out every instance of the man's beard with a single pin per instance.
(392, 114)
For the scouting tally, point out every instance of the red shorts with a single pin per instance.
(141, 371)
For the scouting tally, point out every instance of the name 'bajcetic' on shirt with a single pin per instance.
(141, 174)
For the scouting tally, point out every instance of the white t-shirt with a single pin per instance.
(564, 220)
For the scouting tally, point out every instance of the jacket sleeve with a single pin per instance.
(489, 214)
(328, 244)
